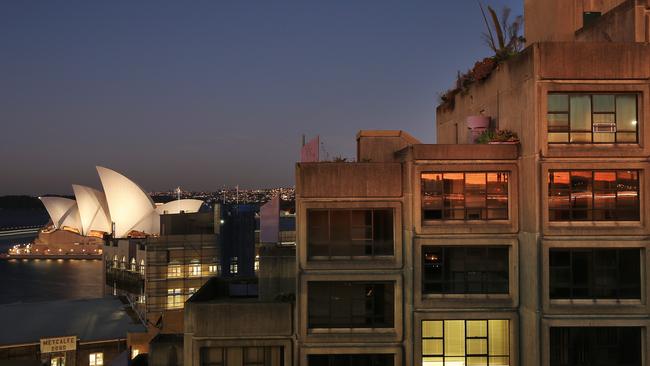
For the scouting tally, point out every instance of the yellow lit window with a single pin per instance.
(195, 270)
(174, 298)
(465, 343)
(135, 352)
(174, 271)
(212, 268)
(96, 359)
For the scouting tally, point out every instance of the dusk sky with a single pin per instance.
(205, 94)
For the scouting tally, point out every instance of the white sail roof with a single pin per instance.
(93, 209)
(62, 211)
(130, 208)
(184, 205)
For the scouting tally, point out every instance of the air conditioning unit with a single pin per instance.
(604, 127)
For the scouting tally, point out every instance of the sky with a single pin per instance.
(207, 94)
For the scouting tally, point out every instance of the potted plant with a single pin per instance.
(495, 137)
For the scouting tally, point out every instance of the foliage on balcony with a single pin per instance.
(496, 136)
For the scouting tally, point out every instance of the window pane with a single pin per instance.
(477, 361)
(477, 346)
(499, 336)
(603, 103)
(477, 328)
(432, 328)
(558, 122)
(558, 102)
(432, 347)
(580, 113)
(626, 113)
(454, 338)
(558, 137)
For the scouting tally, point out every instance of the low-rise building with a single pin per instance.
(87, 332)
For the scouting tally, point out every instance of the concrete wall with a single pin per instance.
(557, 20)
(517, 101)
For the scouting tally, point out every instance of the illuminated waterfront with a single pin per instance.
(43, 280)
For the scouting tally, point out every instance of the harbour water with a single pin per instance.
(44, 280)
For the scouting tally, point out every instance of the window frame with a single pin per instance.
(593, 339)
(427, 221)
(372, 243)
(446, 281)
(591, 95)
(92, 361)
(593, 192)
(422, 338)
(593, 268)
(367, 314)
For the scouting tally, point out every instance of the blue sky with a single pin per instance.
(204, 94)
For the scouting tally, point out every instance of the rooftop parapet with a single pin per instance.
(474, 152)
(334, 179)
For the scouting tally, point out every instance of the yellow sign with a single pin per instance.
(60, 344)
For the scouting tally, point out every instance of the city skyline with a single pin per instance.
(217, 110)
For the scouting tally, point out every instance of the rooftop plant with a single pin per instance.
(497, 136)
(503, 38)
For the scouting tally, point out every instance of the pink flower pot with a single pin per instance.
(476, 124)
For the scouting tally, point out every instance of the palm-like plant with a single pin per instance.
(505, 41)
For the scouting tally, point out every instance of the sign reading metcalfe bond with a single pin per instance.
(59, 344)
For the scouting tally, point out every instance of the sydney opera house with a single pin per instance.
(121, 210)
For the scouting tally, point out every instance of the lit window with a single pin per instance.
(465, 196)
(257, 263)
(123, 263)
(234, 267)
(96, 359)
(592, 118)
(142, 267)
(195, 269)
(465, 342)
(593, 195)
(212, 268)
(115, 261)
(191, 291)
(174, 271)
(174, 298)
(133, 265)
(134, 353)
(57, 361)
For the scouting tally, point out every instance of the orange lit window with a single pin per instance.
(465, 196)
(588, 195)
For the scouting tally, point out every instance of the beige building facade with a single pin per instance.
(532, 253)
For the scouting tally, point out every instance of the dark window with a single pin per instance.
(263, 356)
(352, 360)
(213, 356)
(465, 196)
(595, 273)
(350, 304)
(465, 270)
(347, 233)
(593, 195)
(595, 346)
(592, 118)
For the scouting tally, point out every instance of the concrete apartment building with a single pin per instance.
(526, 254)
